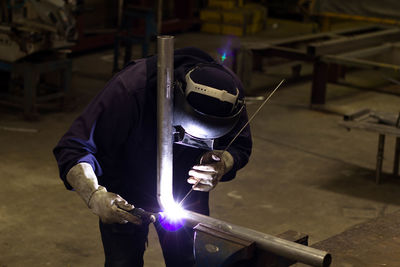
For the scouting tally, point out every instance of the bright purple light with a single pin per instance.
(172, 218)
(170, 223)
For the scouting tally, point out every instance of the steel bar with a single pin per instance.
(165, 70)
(278, 246)
(371, 127)
(351, 43)
(362, 58)
(314, 38)
(368, 52)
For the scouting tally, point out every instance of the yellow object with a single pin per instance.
(237, 30)
(327, 16)
(240, 30)
(209, 14)
(236, 16)
(259, 12)
(231, 29)
(211, 27)
(224, 4)
(249, 19)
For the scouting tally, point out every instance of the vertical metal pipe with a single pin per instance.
(165, 78)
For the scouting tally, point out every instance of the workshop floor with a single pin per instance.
(306, 173)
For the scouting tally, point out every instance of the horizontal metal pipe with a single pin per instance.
(275, 245)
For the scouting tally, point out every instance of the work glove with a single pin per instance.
(111, 208)
(213, 165)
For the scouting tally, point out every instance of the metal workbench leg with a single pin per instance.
(116, 54)
(29, 92)
(66, 81)
(318, 89)
(244, 67)
(379, 157)
(396, 157)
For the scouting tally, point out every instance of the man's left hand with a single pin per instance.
(213, 165)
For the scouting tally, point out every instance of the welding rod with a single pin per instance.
(188, 193)
(236, 136)
(252, 117)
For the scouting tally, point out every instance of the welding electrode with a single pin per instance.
(236, 136)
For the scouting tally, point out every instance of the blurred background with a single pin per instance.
(325, 160)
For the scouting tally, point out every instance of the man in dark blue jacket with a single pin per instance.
(109, 154)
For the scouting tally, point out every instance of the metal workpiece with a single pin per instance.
(165, 79)
(264, 242)
(278, 246)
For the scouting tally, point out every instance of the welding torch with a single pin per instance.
(145, 216)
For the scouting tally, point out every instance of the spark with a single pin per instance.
(172, 218)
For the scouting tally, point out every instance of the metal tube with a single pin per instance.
(278, 246)
(165, 70)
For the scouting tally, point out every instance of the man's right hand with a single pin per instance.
(111, 208)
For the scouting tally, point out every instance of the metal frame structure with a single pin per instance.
(381, 123)
(259, 241)
(30, 72)
(328, 52)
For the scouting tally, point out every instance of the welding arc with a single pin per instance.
(236, 136)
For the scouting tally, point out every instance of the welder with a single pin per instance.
(109, 154)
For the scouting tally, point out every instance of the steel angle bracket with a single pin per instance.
(213, 247)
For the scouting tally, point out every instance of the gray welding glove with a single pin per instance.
(110, 207)
(213, 165)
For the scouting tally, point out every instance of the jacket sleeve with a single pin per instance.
(242, 146)
(99, 131)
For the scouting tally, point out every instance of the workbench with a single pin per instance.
(371, 47)
(380, 57)
(372, 243)
(381, 123)
(27, 75)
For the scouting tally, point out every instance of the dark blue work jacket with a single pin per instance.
(116, 134)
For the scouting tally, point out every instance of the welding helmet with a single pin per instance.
(206, 105)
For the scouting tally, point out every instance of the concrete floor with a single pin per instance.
(306, 173)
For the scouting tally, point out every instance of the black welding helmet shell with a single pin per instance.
(207, 103)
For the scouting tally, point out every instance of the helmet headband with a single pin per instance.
(221, 95)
